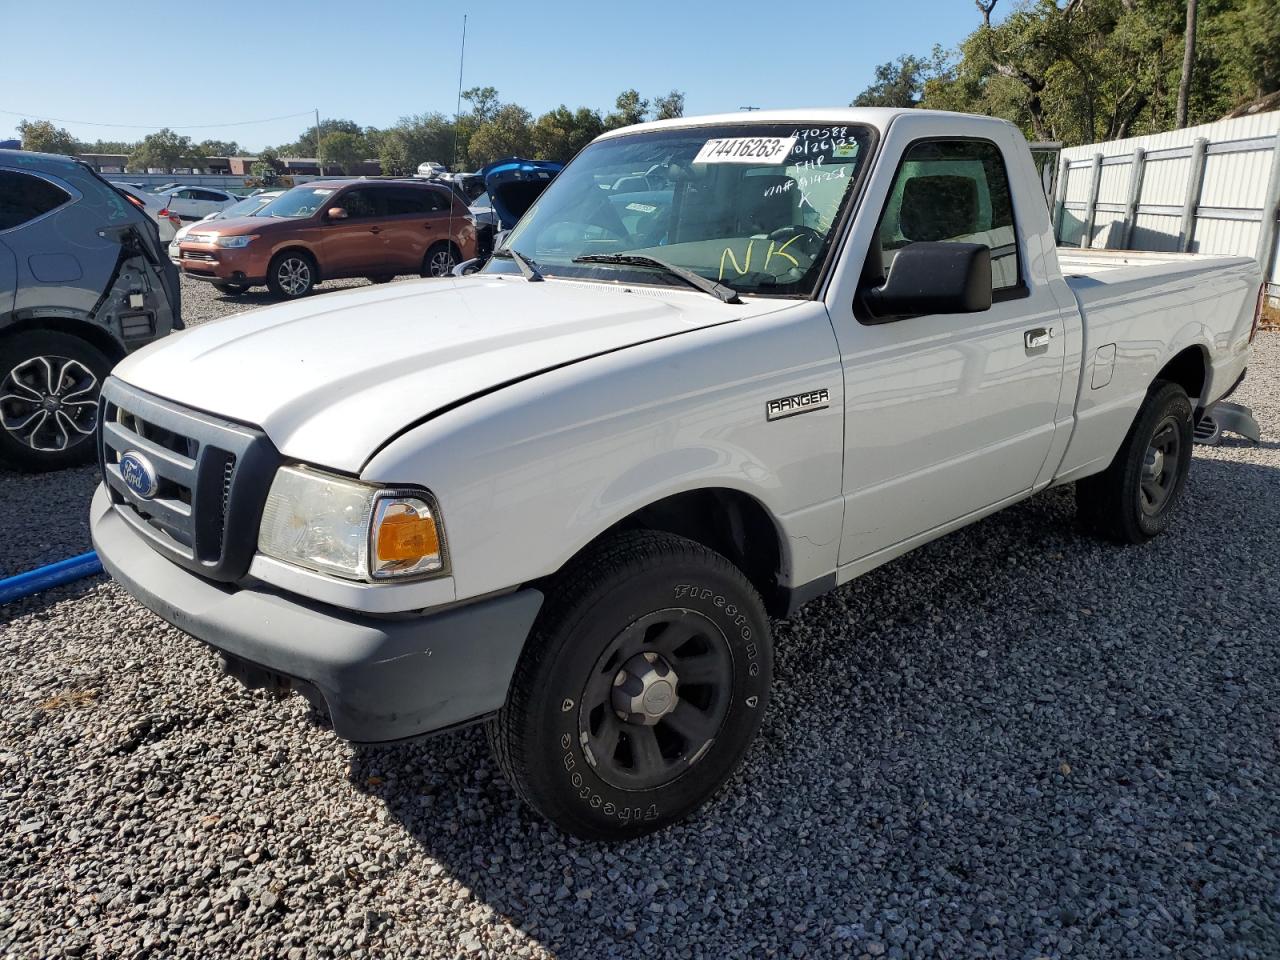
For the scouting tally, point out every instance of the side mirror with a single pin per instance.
(337, 213)
(932, 277)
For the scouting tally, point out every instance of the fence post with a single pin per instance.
(1137, 166)
(1267, 227)
(1195, 184)
(1091, 210)
(1060, 198)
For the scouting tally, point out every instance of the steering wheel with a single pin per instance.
(812, 238)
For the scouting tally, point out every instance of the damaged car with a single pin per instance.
(84, 281)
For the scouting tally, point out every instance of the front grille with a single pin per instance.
(200, 255)
(212, 479)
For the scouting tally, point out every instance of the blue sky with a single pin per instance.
(176, 64)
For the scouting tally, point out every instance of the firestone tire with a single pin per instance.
(1133, 500)
(615, 625)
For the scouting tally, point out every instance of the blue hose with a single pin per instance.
(54, 575)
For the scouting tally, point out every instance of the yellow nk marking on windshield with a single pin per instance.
(781, 252)
(740, 270)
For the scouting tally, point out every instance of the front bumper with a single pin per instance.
(222, 264)
(382, 679)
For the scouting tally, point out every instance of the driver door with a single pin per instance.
(946, 414)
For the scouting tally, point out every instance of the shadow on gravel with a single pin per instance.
(993, 740)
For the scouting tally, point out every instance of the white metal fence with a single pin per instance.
(1208, 189)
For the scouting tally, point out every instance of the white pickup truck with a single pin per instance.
(723, 365)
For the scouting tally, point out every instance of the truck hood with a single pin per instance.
(333, 377)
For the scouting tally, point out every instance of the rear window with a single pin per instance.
(24, 197)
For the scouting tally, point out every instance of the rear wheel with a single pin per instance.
(440, 260)
(292, 274)
(642, 686)
(49, 386)
(1134, 498)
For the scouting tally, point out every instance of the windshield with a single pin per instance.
(245, 208)
(299, 202)
(753, 206)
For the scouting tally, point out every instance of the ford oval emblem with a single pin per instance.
(139, 475)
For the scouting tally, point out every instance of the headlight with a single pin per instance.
(241, 241)
(350, 529)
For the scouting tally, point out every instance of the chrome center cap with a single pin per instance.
(1154, 465)
(645, 690)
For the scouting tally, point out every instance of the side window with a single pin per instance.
(404, 201)
(359, 204)
(955, 190)
(24, 197)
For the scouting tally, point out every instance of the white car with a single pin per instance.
(247, 207)
(155, 208)
(195, 203)
(564, 495)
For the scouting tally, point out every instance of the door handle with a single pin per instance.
(1038, 338)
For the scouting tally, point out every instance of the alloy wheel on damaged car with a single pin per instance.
(49, 404)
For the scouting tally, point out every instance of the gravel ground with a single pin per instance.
(1015, 742)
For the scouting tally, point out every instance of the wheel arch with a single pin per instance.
(91, 333)
(729, 521)
(1189, 368)
(295, 247)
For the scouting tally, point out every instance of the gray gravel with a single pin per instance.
(1016, 742)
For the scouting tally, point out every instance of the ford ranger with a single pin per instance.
(722, 365)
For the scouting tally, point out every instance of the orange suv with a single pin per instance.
(329, 229)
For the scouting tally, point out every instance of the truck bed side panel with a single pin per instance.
(1136, 319)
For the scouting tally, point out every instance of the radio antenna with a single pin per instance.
(457, 117)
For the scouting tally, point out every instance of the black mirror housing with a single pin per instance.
(932, 277)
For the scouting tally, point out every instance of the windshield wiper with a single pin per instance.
(528, 267)
(717, 290)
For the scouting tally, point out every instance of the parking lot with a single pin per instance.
(1014, 742)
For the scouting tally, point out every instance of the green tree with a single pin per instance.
(344, 150)
(630, 109)
(506, 134)
(217, 148)
(669, 107)
(484, 103)
(560, 133)
(305, 145)
(416, 140)
(901, 82)
(161, 151)
(41, 136)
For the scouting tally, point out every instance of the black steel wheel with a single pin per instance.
(640, 689)
(49, 386)
(656, 699)
(1134, 498)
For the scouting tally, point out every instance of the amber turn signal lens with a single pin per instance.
(405, 536)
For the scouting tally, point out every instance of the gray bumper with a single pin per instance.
(382, 679)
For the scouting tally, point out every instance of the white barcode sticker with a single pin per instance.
(759, 150)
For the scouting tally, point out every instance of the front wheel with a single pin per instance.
(440, 260)
(292, 274)
(1134, 498)
(49, 386)
(643, 684)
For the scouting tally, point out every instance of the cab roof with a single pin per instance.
(878, 117)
